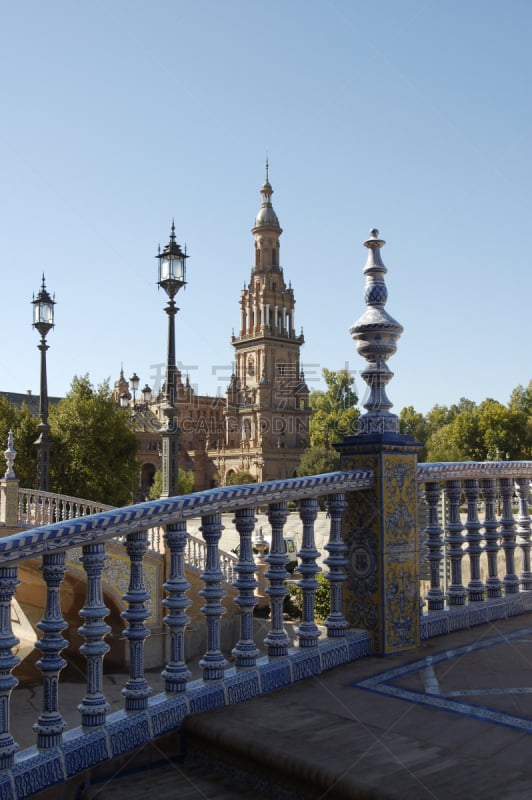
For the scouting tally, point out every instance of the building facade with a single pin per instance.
(261, 425)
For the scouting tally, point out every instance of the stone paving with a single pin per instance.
(450, 720)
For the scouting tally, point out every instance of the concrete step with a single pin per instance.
(170, 781)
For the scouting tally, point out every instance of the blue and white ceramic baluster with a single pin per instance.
(94, 707)
(277, 639)
(245, 651)
(137, 689)
(375, 335)
(8, 661)
(213, 663)
(456, 592)
(475, 587)
(434, 544)
(491, 536)
(523, 530)
(507, 522)
(307, 631)
(336, 562)
(50, 725)
(176, 673)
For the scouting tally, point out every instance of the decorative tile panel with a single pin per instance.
(275, 675)
(306, 664)
(46, 770)
(380, 530)
(83, 750)
(242, 686)
(166, 714)
(206, 697)
(361, 525)
(128, 734)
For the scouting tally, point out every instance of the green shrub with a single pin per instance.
(322, 598)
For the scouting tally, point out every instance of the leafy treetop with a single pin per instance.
(94, 446)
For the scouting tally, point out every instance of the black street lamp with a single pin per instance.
(134, 383)
(146, 394)
(172, 276)
(43, 321)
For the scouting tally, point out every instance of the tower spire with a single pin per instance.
(267, 218)
(266, 395)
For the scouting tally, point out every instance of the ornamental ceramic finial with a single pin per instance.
(10, 455)
(375, 335)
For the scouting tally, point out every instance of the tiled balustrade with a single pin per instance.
(477, 543)
(35, 508)
(59, 754)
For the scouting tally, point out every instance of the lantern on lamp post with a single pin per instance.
(134, 383)
(43, 321)
(146, 395)
(172, 277)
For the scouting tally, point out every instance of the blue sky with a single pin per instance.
(413, 117)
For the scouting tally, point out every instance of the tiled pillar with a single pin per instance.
(380, 529)
(380, 524)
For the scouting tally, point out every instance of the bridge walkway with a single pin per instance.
(447, 721)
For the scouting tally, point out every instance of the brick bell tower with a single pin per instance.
(267, 412)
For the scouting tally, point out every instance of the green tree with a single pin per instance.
(334, 412)
(185, 483)
(505, 432)
(94, 445)
(441, 445)
(437, 417)
(467, 436)
(240, 476)
(25, 433)
(463, 405)
(413, 423)
(490, 431)
(521, 399)
(458, 440)
(334, 416)
(318, 460)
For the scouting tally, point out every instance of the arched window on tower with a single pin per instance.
(147, 476)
